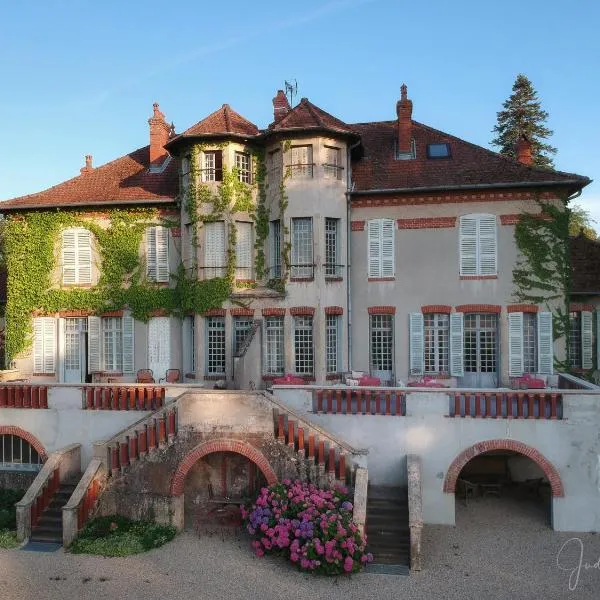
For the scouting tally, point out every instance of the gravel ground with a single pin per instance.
(500, 549)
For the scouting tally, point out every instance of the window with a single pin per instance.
(332, 268)
(44, 345)
(478, 245)
(303, 345)
(275, 231)
(438, 150)
(530, 343)
(274, 345)
(580, 340)
(241, 328)
(157, 254)
(332, 166)
(212, 166)
(17, 453)
(333, 345)
(243, 251)
(480, 341)
(110, 344)
(437, 334)
(382, 344)
(530, 363)
(575, 340)
(215, 253)
(302, 162)
(112, 334)
(185, 173)
(243, 166)
(215, 343)
(76, 256)
(302, 248)
(381, 248)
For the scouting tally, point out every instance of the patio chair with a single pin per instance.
(145, 376)
(172, 376)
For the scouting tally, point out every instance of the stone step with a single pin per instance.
(55, 538)
(47, 520)
(387, 492)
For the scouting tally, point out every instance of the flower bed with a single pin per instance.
(312, 528)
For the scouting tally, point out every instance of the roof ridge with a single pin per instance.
(227, 117)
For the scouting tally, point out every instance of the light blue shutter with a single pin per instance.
(162, 254)
(417, 349)
(456, 345)
(151, 270)
(94, 344)
(84, 256)
(545, 343)
(487, 245)
(387, 247)
(468, 245)
(128, 345)
(44, 345)
(374, 242)
(515, 344)
(586, 340)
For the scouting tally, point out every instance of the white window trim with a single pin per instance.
(96, 348)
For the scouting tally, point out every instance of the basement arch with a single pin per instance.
(221, 445)
(28, 437)
(481, 447)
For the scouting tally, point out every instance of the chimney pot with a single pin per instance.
(160, 133)
(281, 106)
(404, 111)
(88, 164)
(523, 151)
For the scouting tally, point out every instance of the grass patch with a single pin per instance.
(8, 539)
(118, 536)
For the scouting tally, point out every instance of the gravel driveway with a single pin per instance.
(500, 549)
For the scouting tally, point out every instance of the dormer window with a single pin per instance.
(438, 151)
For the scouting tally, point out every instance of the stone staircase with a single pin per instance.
(388, 534)
(49, 527)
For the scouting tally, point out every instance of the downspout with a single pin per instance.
(348, 265)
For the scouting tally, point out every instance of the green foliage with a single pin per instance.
(8, 539)
(522, 115)
(542, 274)
(581, 223)
(118, 536)
(8, 512)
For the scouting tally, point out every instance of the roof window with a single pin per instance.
(438, 150)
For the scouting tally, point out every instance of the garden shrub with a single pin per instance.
(313, 528)
(119, 536)
(8, 512)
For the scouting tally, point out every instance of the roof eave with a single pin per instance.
(90, 203)
(177, 141)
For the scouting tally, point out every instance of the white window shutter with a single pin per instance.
(49, 345)
(214, 245)
(162, 254)
(151, 272)
(94, 341)
(387, 248)
(374, 240)
(456, 345)
(515, 344)
(417, 344)
(243, 250)
(586, 340)
(545, 343)
(69, 256)
(128, 345)
(84, 256)
(488, 251)
(38, 345)
(468, 245)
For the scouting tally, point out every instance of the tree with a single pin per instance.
(580, 221)
(522, 115)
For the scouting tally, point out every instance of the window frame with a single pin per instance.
(332, 247)
(244, 173)
(433, 156)
(275, 248)
(112, 336)
(390, 319)
(302, 266)
(274, 340)
(81, 267)
(211, 271)
(220, 352)
(301, 170)
(304, 345)
(333, 345)
(436, 347)
(241, 328)
(332, 170)
(213, 172)
(7, 447)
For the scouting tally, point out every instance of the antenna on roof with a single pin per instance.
(291, 90)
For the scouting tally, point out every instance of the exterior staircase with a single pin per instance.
(388, 534)
(49, 527)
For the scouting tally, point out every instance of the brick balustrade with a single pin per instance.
(23, 396)
(359, 401)
(506, 405)
(127, 397)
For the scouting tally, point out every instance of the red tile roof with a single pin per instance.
(308, 116)
(378, 169)
(585, 265)
(122, 181)
(223, 121)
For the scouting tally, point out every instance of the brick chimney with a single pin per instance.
(160, 132)
(523, 151)
(404, 112)
(281, 106)
(88, 165)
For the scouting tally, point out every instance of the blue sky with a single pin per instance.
(80, 77)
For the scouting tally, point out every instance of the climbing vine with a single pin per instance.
(542, 273)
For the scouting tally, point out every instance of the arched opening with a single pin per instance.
(21, 457)
(216, 477)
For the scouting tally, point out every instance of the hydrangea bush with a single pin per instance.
(311, 527)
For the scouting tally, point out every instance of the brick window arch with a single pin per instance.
(220, 445)
(481, 447)
(27, 437)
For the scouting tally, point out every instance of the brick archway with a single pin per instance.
(481, 447)
(28, 437)
(221, 445)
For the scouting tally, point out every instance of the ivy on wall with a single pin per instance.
(542, 274)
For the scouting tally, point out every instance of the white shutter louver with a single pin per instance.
(76, 256)
(374, 241)
(151, 253)
(243, 251)
(478, 245)
(515, 344)
(44, 345)
(545, 343)
(468, 245)
(214, 248)
(94, 348)
(586, 340)
(162, 254)
(456, 345)
(128, 345)
(69, 256)
(387, 248)
(84, 256)
(487, 245)
(417, 346)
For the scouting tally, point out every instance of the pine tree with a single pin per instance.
(523, 115)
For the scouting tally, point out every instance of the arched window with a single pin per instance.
(76, 256)
(18, 454)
